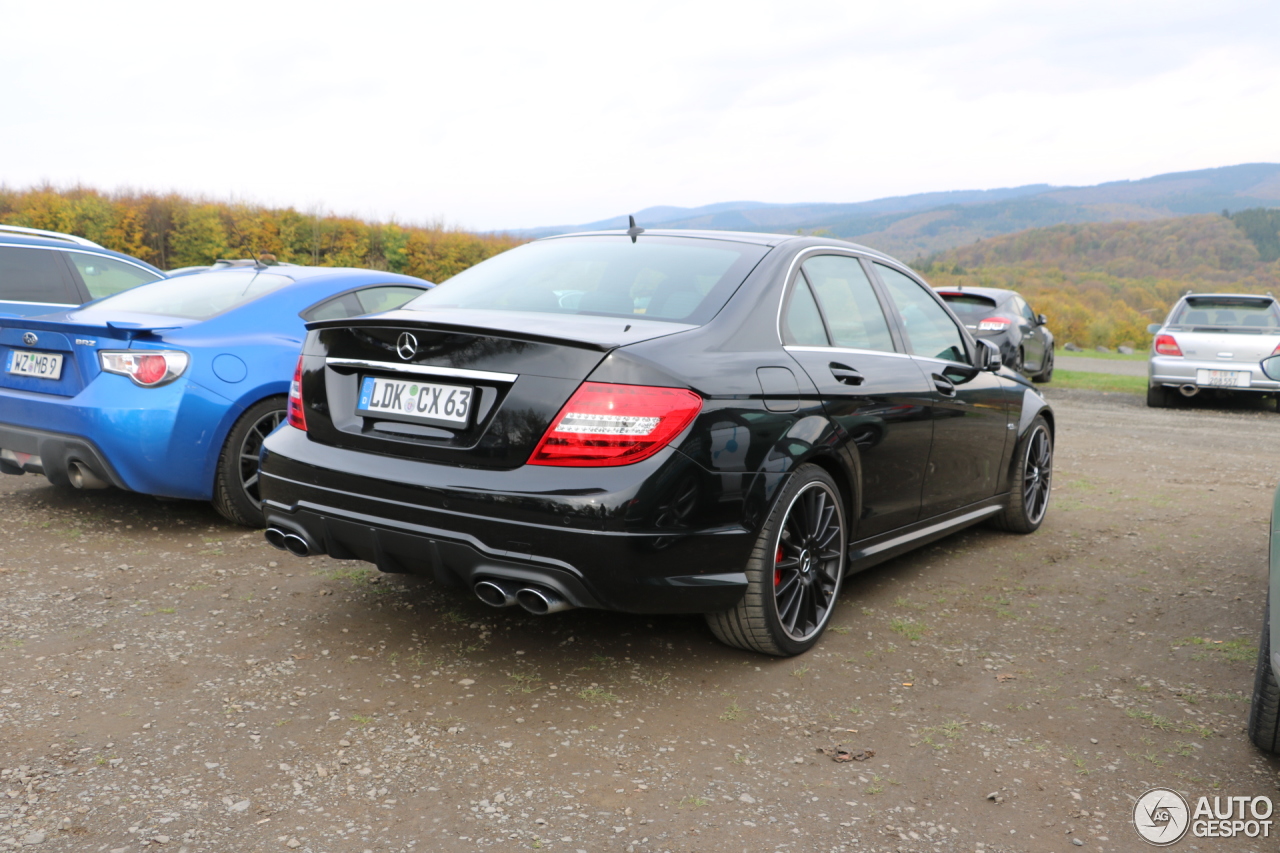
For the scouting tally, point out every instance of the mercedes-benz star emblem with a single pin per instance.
(406, 346)
(30, 339)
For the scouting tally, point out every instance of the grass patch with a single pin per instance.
(1235, 651)
(1140, 355)
(908, 628)
(597, 695)
(1079, 379)
(733, 713)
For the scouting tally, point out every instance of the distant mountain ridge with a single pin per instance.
(912, 226)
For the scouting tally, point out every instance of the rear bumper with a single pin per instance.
(50, 453)
(1171, 370)
(661, 536)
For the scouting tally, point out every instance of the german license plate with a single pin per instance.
(421, 401)
(1223, 378)
(43, 365)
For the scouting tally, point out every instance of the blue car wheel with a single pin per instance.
(235, 493)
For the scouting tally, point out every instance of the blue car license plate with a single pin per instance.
(413, 400)
(43, 365)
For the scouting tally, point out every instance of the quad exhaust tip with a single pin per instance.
(537, 600)
(286, 541)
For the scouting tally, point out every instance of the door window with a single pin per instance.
(849, 303)
(375, 300)
(105, 276)
(802, 325)
(930, 330)
(35, 275)
(1024, 309)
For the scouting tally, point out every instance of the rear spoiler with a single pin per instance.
(111, 328)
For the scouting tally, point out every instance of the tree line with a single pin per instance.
(171, 230)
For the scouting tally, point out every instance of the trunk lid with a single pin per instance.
(382, 384)
(1238, 346)
(73, 343)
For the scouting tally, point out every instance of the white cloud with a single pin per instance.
(510, 114)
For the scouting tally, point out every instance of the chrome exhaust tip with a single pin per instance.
(82, 477)
(540, 601)
(495, 593)
(1188, 390)
(296, 545)
(275, 538)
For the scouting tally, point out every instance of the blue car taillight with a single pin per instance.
(145, 368)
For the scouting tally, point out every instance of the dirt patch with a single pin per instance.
(171, 680)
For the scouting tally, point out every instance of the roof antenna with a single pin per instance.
(635, 230)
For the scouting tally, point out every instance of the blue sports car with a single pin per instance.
(169, 388)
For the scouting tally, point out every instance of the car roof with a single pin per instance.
(1261, 297)
(11, 239)
(755, 237)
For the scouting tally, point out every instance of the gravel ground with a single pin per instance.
(1115, 367)
(172, 682)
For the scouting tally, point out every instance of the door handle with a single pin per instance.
(945, 386)
(845, 374)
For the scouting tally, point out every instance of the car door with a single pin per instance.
(35, 281)
(970, 406)
(834, 325)
(1032, 337)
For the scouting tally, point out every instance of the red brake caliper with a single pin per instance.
(777, 572)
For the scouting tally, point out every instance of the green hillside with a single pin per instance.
(1102, 283)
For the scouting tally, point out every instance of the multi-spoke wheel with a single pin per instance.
(1032, 480)
(235, 493)
(794, 574)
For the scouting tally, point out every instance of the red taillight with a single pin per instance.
(1166, 345)
(994, 324)
(297, 417)
(615, 424)
(145, 368)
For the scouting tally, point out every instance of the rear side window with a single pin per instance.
(849, 303)
(930, 331)
(105, 276)
(197, 296)
(35, 275)
(672, 279)
(802, 325)
(374, 300)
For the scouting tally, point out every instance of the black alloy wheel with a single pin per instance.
(1046, 372)
(1032, 482)
(794, 573)
(1158, 397)
(236, 496)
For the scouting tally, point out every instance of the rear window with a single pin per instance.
(969, 307)
(197, 297)
(674, 279)
(1228, 314)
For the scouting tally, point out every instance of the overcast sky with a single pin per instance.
(492, 115)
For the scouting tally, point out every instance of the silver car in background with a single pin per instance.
(1213, 341)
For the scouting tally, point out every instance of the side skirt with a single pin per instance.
(868, 552)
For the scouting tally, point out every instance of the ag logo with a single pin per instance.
(30, 339)
(406, 346)
(1161, 817)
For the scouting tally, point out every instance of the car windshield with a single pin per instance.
(1228, 314)
(673, 279)
(969, 307)
(197, 297)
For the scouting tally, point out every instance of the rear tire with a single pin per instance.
(1046, 374)
(793, 573)
(235, 488)
(1032, 481)
(1264, 710)
(1157, 397)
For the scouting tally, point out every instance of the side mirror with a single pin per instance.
(1042, 320)
(1153, 328)
(989, 356)
(1271, 367)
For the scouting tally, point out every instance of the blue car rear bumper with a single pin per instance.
(159, 441)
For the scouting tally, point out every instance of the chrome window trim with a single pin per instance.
(843, 251)
(23, 231)
(426, 370)
(850, 350)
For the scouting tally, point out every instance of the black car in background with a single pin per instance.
(656, 422)
(1005, 319)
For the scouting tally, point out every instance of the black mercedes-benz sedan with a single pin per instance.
(657, 422)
